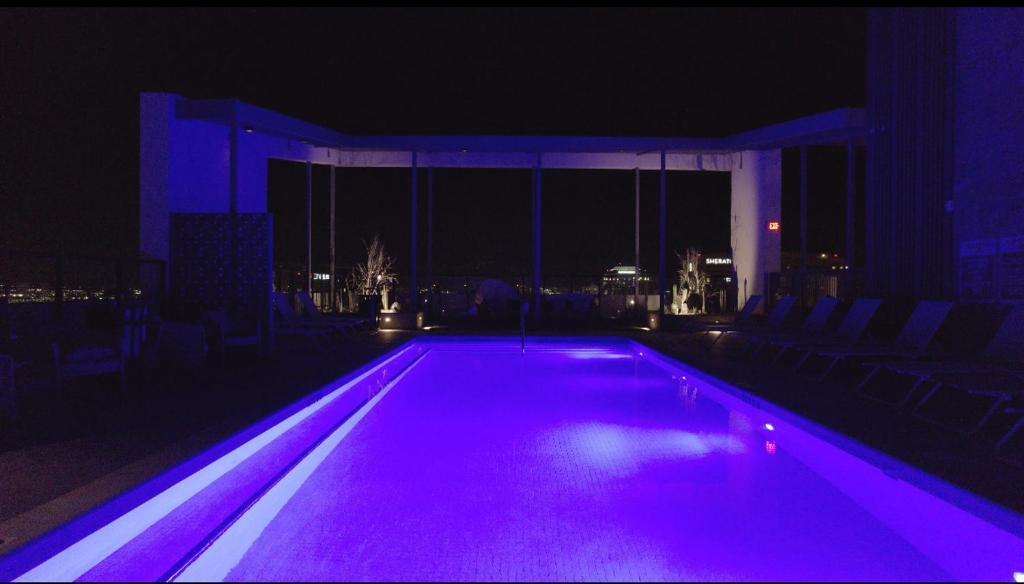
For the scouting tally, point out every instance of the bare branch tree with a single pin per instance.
(691, 277)
(376, 273)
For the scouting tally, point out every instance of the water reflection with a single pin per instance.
(624, 450)
(687, 394)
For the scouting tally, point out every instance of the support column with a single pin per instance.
(851, 193)
(661, 238)
(413, 287)
(803, 222)
(430, 237)
(636, 242)
(309, 226)
(536, 238)
(756, 200)
(233, 162)
(332, 304)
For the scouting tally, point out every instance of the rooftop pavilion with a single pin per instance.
(211, 157)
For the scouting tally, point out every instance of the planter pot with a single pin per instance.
(369, 307)
(401, 320)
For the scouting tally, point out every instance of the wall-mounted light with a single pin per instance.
(248, 130)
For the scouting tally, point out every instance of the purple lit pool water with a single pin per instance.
(580, 460)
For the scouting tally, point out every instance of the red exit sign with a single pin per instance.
(774, 226)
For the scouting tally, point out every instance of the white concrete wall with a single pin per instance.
(199, 158)
(756, 200)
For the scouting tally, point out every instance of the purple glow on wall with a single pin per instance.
(580, 460)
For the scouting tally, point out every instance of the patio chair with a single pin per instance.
(8, 392)
(1004, 352)
(291, 325)
(997, 373)
(183, 344)
(812, 326)
(997, 451)
(741, 317)
(137, 322)
(849, 333)
(226, 333)
(777, 318)
(291, 319)
(94, 352)
(313, 314)
(911, 343)
(748, 309)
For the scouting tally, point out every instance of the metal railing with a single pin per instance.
(813, 284)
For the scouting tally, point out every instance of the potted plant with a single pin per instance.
(693, 280)
(372, 276)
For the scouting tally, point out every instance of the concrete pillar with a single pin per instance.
(756, 200)
(851, 192)
(233, 160)
(332, 304)
(414, 292)
(536, 239)
(636, 238)
(661, 237)
(309, 226)
(803, 222)
(430, 237)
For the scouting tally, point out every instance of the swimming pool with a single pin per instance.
(582, 459)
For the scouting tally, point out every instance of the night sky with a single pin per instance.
(70, 79)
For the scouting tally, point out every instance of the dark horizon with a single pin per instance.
(73, 78)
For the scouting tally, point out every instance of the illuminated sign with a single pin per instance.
(774, 226)
(319, 276)
(718, 261)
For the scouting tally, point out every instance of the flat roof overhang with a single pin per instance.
(513, 151)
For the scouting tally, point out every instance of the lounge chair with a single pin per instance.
(1004, 352)
(225, 334)
(95, 352)
(313, 314)
(1008, 436)
(911, 343)
(812, 326)
(777, 318)
(288, 324)
(292, 323)
(742, 317)
(183, 344)
(849, 333)
(997, 372)
(8, 392)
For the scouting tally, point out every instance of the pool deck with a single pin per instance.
(72, 454)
